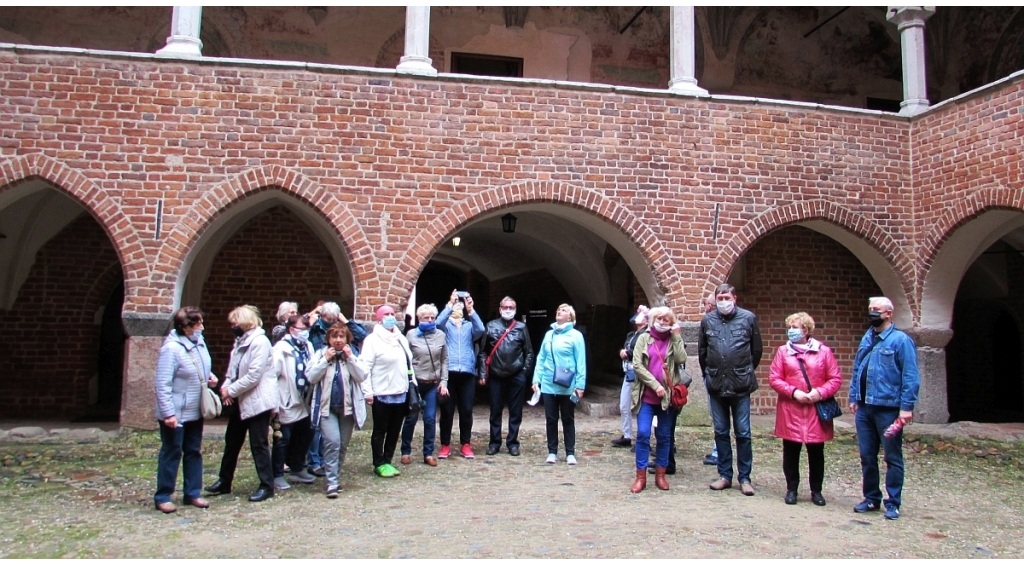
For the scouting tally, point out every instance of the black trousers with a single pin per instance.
(258, 428)
(791, 464)
(555, 405)
(461, 391)
(292, 447)
(508, 391)
(388, 419)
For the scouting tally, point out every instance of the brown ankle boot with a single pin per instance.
(659, 478)
(641, 481)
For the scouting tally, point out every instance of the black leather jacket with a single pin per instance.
(729, 350)
(514, 354)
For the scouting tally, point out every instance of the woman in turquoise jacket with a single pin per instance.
(562, 348)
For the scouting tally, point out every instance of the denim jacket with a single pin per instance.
(893, 378)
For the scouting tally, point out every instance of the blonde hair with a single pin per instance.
(660, 311)
(806, 322)
(426, 308)
(246, 317)
(572, 312)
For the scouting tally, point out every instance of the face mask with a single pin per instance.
(661, 328)
(794, 334)
(876, 318)
(427, 327)
(508, 314)
(238, 331)
(196, 335)
(325, 325)
(389, 322)
(302, 335)
(725, 307)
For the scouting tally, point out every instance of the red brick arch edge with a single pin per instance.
(646, 241)
(963, 210)
(100, 205)
(777, 218)
(215, 202)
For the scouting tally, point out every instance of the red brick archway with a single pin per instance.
(104, 209)
(215, 202)
(646, 241)
(897, 261)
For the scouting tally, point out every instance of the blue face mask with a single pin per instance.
(794, 334)
(301, 336)
(389, 322)
(427, 327)
(196, 335)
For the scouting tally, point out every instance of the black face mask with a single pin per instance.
(876, 318)
(237, 331)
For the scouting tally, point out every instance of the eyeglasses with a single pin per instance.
(505, 308)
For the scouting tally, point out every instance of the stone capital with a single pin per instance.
(930, 337)
(146, 324)
(909, 16)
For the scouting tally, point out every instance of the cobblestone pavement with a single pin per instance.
(962, 500)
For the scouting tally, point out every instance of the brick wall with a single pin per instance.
(797, 269)
(49, 340)
(273, 258)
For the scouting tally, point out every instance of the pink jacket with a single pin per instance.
(797, 421)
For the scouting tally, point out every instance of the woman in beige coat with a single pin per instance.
(250, 398)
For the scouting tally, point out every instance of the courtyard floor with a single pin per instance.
(963, 499)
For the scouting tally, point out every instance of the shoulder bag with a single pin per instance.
(563, 376)
(487, 363)
(210, 406)
(828, 409)
(412, 396)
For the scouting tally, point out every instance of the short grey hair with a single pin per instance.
(883, 301)
(283, 309)
(426, 308)
(330, 309)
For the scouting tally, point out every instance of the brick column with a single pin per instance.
(683, 52)
(417, 42)
(910, 21)
(146, 334)
(184, 40)
(933, 400)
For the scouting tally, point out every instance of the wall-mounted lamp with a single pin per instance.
(508, 223)
(456, 241)
(318, 13)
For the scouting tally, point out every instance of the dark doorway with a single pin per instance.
(486, 65)
(109, 360)
(1006, 364)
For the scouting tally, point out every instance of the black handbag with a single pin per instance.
(828, 409)
(412, 396)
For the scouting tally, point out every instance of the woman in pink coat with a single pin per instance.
(796, 419)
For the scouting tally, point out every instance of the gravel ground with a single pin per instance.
(962, 499)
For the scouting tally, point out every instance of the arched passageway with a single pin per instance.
(61, 294)
(557, 254)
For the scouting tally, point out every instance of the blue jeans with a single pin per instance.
(872, 421)
(428, 393)
(314, 459)
(180, 445)
(738, 409)
(644, 420)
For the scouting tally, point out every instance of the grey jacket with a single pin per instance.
(250, 376)
(429, 356)
(178, 380)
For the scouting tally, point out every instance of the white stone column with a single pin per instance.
(184, 40)
(417, 42)
(683, 55)
(910, 21)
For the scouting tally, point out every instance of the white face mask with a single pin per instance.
(507, 314)
(661, 328)
(725, 307)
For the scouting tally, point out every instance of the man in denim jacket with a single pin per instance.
(883, 389)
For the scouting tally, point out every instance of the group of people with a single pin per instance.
(804, 373)
(314, 384)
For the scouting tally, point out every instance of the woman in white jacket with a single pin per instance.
(386, 360)
(292, 358)
(338, 403)
(250, 396)
(182, 370)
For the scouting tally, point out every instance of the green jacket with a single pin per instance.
(644, 378)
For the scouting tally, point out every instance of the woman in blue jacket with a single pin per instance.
(562, 348)
(462, 327)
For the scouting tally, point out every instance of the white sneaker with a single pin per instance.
(570, 460)
(552, 458)
(280, 484)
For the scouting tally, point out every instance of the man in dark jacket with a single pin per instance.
(506, 358)
(729, 349)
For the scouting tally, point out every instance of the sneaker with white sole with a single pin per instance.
(570, 460)
(280, 484)
(552, 458)
(303, 477)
